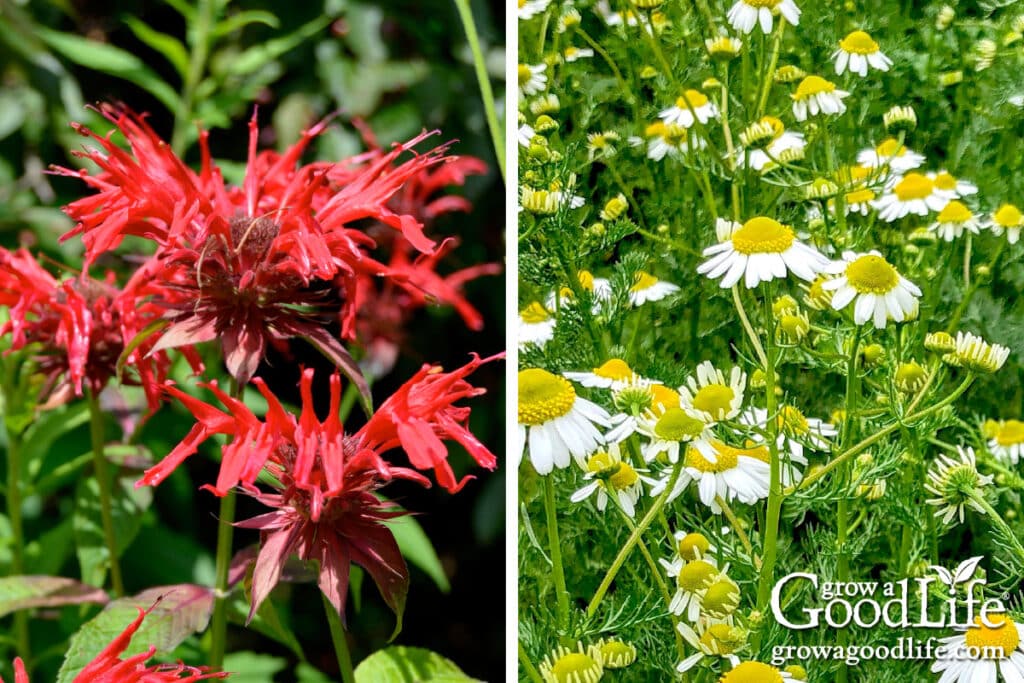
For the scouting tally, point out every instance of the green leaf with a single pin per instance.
(126, 508)
(399, 664)
(167, 45)
(26, 592)
(47, 428)
(304, 673)
(110, 60)
(253, 668)
(417, 548)
(243, 19)
(267, 621)
(47, 553)
(255, 57)
(182, 610)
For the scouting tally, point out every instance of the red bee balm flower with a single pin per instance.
(108, 667)
(253, 264)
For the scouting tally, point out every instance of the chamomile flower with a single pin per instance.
(875, 287)
(914, 193)
(574, 54)
(1000, 650)
(795, 432)
(599, 288)
(746, 14)
(528, 9)
(538, 201)
(974, 353)
(609, 475)
(1007, 442)
(692, 581)
(647, 288)
(955, 482)
(582, 665)
(1009, 219)
(710, 396)
(690, 107)
(723, 47)
(688, 547)
(954, 220)
(601, 144)
(634, 400)
(760, 250)
(555, 423)
(614, 372)
(955, 188)
(668, 428)
(754, 672)
(727, 472)
(768, 141)
(815, 95)
(532, 79)
(711, 638)
(892, 154)
(615, 653)
(858, 51)
(536, 325)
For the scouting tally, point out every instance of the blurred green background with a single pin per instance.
(401, 66)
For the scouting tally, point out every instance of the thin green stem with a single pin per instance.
(99, 463)
(486, 94)
(339, 640)
(634, 537)
(730, 515)
(995, 517)
(200, 48)
(773, 514)
(755, 341)
(769, 74)
(555, 549)
(596, 47)
(843, 506)
(528, 667)
(13, 484)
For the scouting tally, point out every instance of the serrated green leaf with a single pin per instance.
(167, 45)
(400, 664)
(243, 19)
(26, 592)
(417, 548)
(126, 509)
(182, 610)
(110, 60)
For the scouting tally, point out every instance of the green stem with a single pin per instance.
(634, 537)
(755, 341)
(99, 463)
(769, 75)
(486, 94)
(994, 515)
(339, 640)
(738, 528)
(200, 45)
(528, 667)
(775, 495)
(843, 506)
(555, 548)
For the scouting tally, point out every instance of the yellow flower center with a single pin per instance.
(771, 4)
(859, 43)
(624, 477)
(586, 279)
(859, 196)
(615, 369)
(813, 85)
(762, 235)
(525, 74)
(696, 575)
(575, 666)
(676, 424)
(599, 462)
(726, 458)
(571, 51)
(693, 546)
(1008, 216)
(714, 399)
(722, 598)
(1004, 638)
(1010, 432)
(752, 672)
(674, 135)
(663, 396)
(534, 313)
(643, 280)
(891, 148)
(871, 274)
(955, 212)
(944, 181)
(543, 396)
(655, 130)
(913, 186)
(776, 125)
(793, 421)
(719, 639)
(615, 651)
(695, 98)
(522, 4)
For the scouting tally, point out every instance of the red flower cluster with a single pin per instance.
(81, 327)
(108, 667)
(325, 507)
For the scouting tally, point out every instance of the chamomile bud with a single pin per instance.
(954, 482)
(984, 53)
(974, 353)
(873, 490)
(872, 354)
(910, 377)
(821, 188)
(922, 237)
(793, 327)
(982, 273)
(711, 83)
(569, 19)
(789, 74)
(545, 104)
(949, 78)
(818, 297)
(785, 304)
(582, 665)
(721, 598)
(796, 672)
(615, 207)
(762, 132)
(597, 230)
(545, 124)
(693, 546)
(900, 119)
(647, 4)
(615, 653)
(539, 153)
(945, 18)
(757, 379)
(939, 342)
(648, 72)
(723, 48)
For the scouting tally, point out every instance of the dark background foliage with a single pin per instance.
(401, 66)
